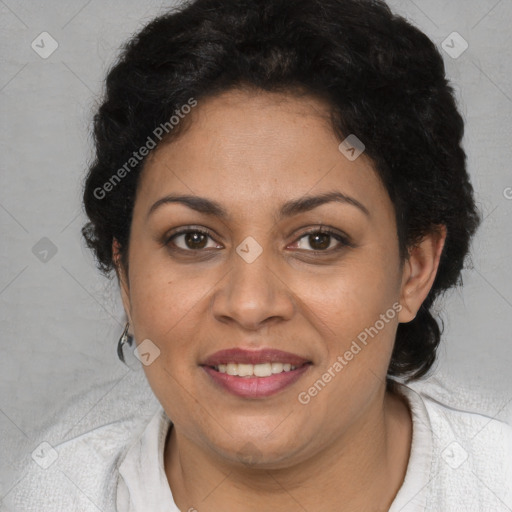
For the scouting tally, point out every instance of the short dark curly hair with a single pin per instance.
(383, 79)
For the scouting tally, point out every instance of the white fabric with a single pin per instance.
(459, 461)
(122, 462)
(143, 484)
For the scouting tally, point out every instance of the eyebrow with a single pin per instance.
(288, 209)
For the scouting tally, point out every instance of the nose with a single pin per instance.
(253, 294)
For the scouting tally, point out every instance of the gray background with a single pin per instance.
(60, 319)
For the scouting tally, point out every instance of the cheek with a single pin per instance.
(169, 306)
(165, 307)
(353, 296)
(160, 295)
(347, 309)
(355, 316)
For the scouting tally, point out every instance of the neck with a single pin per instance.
(362, 469)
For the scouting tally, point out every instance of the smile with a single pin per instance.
(255, 381)
(256, 370)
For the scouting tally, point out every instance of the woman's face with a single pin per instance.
(261, 277)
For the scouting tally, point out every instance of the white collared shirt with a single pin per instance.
(459, 461)
(441, 473)
(143, 483)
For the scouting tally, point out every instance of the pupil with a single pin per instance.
(195, 240)
(324, 241)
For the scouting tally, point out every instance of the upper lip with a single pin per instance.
(243, 356)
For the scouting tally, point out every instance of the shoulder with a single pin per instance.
(471, 447)
(74, 461)
(476, 419)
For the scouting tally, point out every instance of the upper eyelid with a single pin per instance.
(184, 231)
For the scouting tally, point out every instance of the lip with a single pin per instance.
(243, 356)
(256, 387)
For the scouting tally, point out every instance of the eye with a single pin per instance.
(191, 240)
(322, 240)
(318, 240)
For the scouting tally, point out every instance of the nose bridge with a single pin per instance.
(252, 292)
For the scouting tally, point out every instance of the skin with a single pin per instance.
(348, 448)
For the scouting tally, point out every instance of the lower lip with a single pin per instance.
(256, 387)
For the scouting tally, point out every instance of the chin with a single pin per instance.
(261, 451)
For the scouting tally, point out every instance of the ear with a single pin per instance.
(419, 272)
(122, 278)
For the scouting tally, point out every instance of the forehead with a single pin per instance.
(255, 148)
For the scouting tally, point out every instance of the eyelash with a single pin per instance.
(343, 240)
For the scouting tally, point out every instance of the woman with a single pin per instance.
(281, 190)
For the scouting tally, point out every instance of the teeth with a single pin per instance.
(277, 367)
(245, 370)
(254, 370)
(232, 369)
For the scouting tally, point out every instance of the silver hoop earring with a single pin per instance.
(125, 339)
